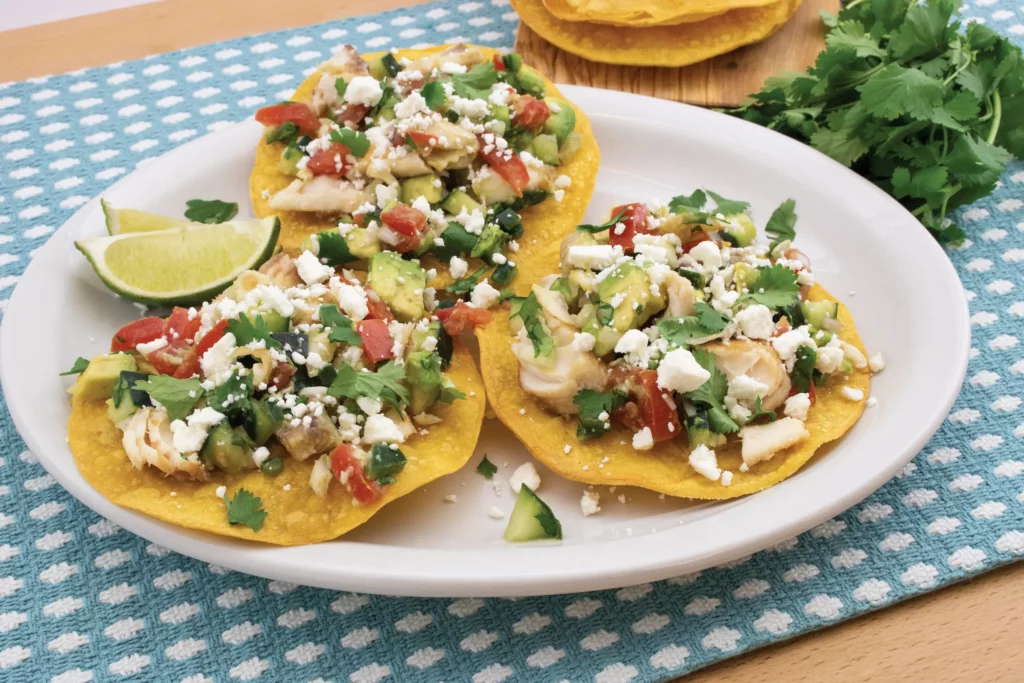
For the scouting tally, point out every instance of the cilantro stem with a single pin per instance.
(997, 106)
(952, 76)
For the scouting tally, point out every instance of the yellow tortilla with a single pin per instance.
(548, 218)
(612, 460)
(642, 13)
(676, 45)
(294, 517)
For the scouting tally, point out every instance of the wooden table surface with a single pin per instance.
(969, 632)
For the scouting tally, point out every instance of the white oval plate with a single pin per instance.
(908, 304)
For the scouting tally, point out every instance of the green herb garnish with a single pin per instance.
(528, 309)
(433, 94)
(358, 144)
(712, 393)
(603, 226)
(465, 285)
(210, 211)
(385, 383)
(486, 468)
(78, 368)
(782, 223)
(178, 396)
(705, 322)
(247, 331)
(592, 405)
(775, 287)
(342, 329)
(246, 509)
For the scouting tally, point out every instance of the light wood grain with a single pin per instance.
(720, 82)
(969, 633)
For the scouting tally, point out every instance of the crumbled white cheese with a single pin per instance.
(708, 254)
(787, 343)
(797, 406)
(632, 343)
(363, 90)
(704, 461)
(457, 267)
(562, 182)
(188, 437)
(451, 498)
(147, 348)
(260, 456)
(679, 371)
(370, 406)
(746, 388)
(351, 298)
(851, 394)
(594, 257)
(876, 363)
(583, 341)
(590, 503)
(311, 270)
(381, 429)
(496, 513)
(853, 354)
(221, 491)
(829, 359)
(872, 402)
(413, 104)
(756, 322)
(726, 479)
(643, 440)
(386, 194)
(217, 363)
(525, 474)
(484, 295)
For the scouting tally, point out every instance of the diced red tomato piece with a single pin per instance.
(498, 64)
(378, 309)
(190, 365)
(456, 319)
(698, 237)
(628, 415)
(506, 164)
(422, 140)
(377, 342)
(296, 112)
(137, 332)
(531, 113)
(410, 224)
(331, 161)
(657, 406)
(179, 327)
(349, 470)
(634, 218)
(168, 359)
(352, 113)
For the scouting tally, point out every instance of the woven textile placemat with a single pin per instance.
(82, 600)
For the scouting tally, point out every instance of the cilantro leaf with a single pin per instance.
(928, 184)
(340, 86)
(781, 224)
(707, 322)
(976, 162)
(897, 90)
(775, 287)
(476, 83)
(728, 206)
(433, 94)
(247, 331)
(210, 211)
(342, 329)
(691, 203)
(465, 285)
(246, 509)
(712, 393)
(232, 397)
(603, 226)
(759, 412)
(78, 368)
(803, 369)
(529, 311)
(486, 468)
(925, 30)
(385, 383)
(449, 394)
(357, 142)
(286, 133)
(592, 405)
(178, 396)
(605, 314)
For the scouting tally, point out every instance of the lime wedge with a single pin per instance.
(181, 266)
(120, 221)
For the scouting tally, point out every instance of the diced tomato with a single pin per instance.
(137, 332)
(657, 406)
(782, 327)
(190, 365)
(408, 223)
(296, 112)
(168, 359)
(634, 218)
(422, 140)
(377, 342)
(498, 64)
(331, 161)
(531, 113)
(347, 468)
(352, 113)
(179, 327)
(797, 255)
(698, 237)
(506, 164)
(628, 415)
(378, 309)
(461, 316)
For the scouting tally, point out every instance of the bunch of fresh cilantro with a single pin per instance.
(930, 113)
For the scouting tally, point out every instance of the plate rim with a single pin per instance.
(618, 565)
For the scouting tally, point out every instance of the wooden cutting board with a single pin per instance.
(723, 81)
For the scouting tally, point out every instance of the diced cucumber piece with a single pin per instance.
(504, 274)
(262, 421)
(500, 112)
(531, 519)
(427, 185)
(530, 82)
(491, 241)
(385, 66)
(512, 61)
(740, 229)
(816, 312)
(385, 462)
(226, 450)
(568, 149)
(274, 321)
(457, 200)
(289, 163)
(545, 148)
(509, 222)
(562, 122)
(456, 242)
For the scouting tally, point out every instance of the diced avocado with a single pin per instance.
(420, 334)
(627, 289)
(361, 243)
(457, 200)
(743, 275)
(513, 62)
(500, 112)
(605, 337)
(98, 380)
(423, 377)
(568, 149)
(275, 321)
(816, 312)
(519, 139)
(226, 450)
(386, 460)
(122, 402)
(289, 163)
(491, 241)
(443, 347)
(531, 518)
(457, 242)
(739, 229)
(427, 185)
(793, 314)
(504, 274)
(262, 421)
(509, 221)
(821, 338)
(399, 283)
(358, 244)
(562, 122)
(530, 82)
(545, 148)
(699, 431)
(385, 66)
(449, 392)
(581, 278)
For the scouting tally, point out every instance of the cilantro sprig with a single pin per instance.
(706, 322)
(905, 95)
(178, 396)
(433, 94)
(775, 287)
(782, 223)
(247, 331)
(486, 468)
(603, 226)
(78, 367)
(210, 210)
(342, 328)
(385, 384)
(712, 393)
(592, 405)
(466, 284)
(528, 309)
(356, 141)
(247, 509)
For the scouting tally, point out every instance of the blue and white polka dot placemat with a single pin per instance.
(82, 600)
